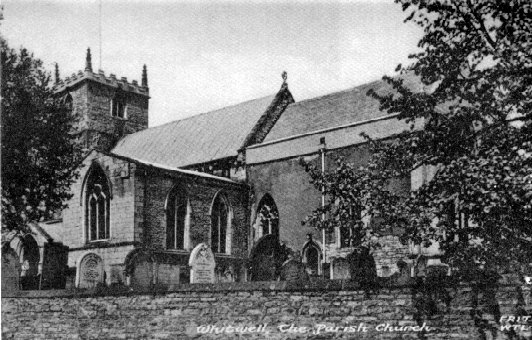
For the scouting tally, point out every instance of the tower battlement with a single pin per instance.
(101, 78)
(106, 107)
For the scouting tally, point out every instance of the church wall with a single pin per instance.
(73, 230)
(289, 185)
(201, 195)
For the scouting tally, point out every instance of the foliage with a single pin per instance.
(40, 155)
(475, 65)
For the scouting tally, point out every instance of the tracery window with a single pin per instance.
(267, 221)
(177, 212)
(97, 205)
(220, 225)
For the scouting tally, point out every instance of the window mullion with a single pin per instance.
(97, 219)
(176, 221)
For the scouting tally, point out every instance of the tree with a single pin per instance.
(476, 132)
(40, 155)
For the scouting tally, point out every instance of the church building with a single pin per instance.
(229, 178)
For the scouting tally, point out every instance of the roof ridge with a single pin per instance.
(373, 82)
(204, 113)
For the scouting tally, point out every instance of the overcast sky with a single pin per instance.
(202, 56)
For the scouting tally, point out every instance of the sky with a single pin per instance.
(204, 55)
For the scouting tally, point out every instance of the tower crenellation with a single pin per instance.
(106, 107)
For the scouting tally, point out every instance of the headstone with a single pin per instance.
(362, 266)
(226, 274)
(341, 269)
(90, 271)
(142, 273)
(293, 270)
(142, 269)
(168, 274)
(403, 275)
(266, 259)
(420, 267)
(54, 268)
(10, 270)
(202, 264)
(116, 274)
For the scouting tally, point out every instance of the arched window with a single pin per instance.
(220, 225)
(312, 256)
(30, 257)
(267, 221)
(118, 104)
(97, 198)
(67, 100)
(177, 212)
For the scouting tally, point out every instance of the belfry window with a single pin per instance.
(118, 106)
(220, 225)
(177, 219)
(97, 205)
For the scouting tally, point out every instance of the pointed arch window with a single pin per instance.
(97, 205)
(177, 216)
(312, 256)
(267, 221)
(220, 225)
(68, 102)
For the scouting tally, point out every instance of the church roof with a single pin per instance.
(333, 110)
(198, 139)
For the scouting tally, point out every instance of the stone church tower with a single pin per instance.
(107, 108)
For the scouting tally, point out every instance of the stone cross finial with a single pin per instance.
(88, 61)
(284, 75)
(144, 81)
(57, 78)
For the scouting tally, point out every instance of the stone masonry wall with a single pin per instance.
(72, 229)
(100, 118)
(92, 106)
(200, 195)
(289, 185)
(270, 310)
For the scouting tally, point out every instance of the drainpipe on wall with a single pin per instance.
(322, 151)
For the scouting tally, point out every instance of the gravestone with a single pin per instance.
(341, 269)
(10, 270)
(141, 268)
(54, 267)
(362, 267)
(90, 271)
(143, 275)
(403, 275)
(266, 259)
(420, 267)
(202, 264)
(293, 270)
(226, 274)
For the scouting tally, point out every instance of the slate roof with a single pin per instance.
(197, 139)
(333, 110)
